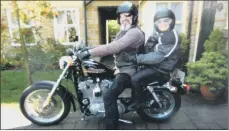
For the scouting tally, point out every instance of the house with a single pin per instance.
(86, 20)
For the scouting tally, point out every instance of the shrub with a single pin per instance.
(216, 42)
(211, 70)
(184, 52)
(46, 55)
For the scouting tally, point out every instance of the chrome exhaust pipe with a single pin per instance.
(125, 121)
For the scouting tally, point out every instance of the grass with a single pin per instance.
(13, 82)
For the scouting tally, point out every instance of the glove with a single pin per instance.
(129, 58)
(153, 39)
(84, 54)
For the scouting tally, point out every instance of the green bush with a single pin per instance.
(211, 70)
(46, 56)
(12, 58)
(113, 29)
(43, 56)
(53, 52)
(184, 52)
(216, 42)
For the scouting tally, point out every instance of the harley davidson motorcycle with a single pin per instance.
(49, 102)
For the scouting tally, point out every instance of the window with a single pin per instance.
(66, 26)
(27, 30)
(176, 7)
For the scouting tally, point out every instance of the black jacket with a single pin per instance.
(164, 54)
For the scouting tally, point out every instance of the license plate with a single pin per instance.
(180, 74)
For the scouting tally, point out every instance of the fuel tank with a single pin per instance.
(93, 68)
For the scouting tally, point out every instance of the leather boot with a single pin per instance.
(110, 124)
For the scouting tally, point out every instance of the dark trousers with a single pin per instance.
(121, 82)
(144, 77)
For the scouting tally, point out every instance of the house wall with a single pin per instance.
(146, 13)
(221, 16)
(72, 4)
(221, 19)
(148, 9)
(93, 20)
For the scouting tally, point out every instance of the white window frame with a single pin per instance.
(68, 25)
(184, 15)
(11, 27)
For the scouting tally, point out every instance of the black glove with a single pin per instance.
(153, 39)
(84, 54)
(129, 58)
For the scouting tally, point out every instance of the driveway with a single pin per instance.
(195, 113)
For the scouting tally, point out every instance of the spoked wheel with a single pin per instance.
(32, 101)
(170, 102)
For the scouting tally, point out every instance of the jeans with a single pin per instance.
(120, 82)
(143, 77)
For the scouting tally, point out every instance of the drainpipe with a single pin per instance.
(85, 22)
(190, 20)
(189, 28)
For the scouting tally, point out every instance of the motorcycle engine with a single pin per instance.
(93, 95)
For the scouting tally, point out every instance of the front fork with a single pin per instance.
(151, 90)
(48, 99)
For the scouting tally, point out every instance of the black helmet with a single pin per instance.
(162, 14)
(128, 7)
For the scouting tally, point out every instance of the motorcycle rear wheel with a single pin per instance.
(171, 102)
(31, 102)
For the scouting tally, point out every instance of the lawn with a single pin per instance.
(13, 82)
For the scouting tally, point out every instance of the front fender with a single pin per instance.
(60, 88)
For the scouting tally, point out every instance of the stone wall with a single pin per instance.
(93, 23)
(221, 15)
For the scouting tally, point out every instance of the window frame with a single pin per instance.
(184, 15)
(11, 27)
(67, 25)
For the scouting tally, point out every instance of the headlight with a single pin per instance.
(64, 61)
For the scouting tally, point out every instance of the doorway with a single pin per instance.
(106, 15)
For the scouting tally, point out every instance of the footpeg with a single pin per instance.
(125, 121)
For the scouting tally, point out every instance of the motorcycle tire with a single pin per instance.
(145, 115)
(65, 102)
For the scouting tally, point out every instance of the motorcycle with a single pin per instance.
(49, 102)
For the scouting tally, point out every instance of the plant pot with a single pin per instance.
(207, 95)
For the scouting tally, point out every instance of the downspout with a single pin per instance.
(190, 20)
(190, 27)
(85, 22)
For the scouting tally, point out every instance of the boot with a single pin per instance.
(110, 124)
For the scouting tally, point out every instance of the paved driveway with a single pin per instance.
(195, 113)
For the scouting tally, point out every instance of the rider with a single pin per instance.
(162, 53)
(127, 41)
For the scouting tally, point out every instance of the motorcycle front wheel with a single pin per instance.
(171, 102)
(31, 105)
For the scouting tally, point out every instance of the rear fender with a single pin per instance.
(172, 87)
(60, 89)
(180, 88)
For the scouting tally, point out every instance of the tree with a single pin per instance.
(23, 44)
(26, 16)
